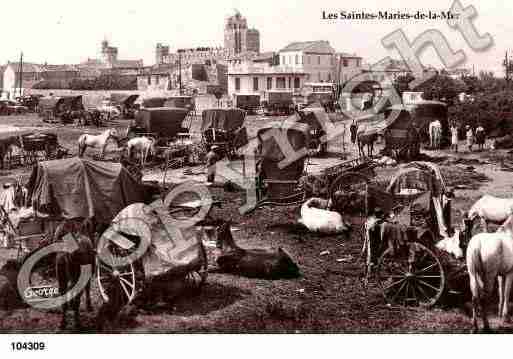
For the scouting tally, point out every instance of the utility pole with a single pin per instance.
(180, 70)
(508, 66)
(21, 73)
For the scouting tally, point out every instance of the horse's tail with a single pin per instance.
(475, 267)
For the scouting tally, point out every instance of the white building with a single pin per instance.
(314, 58)
(347, 66)
(256, 79)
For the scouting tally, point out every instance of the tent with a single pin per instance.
(80, 188)
(164, 121)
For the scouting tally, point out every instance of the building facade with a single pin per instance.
(314, 58)
(256, 79)
(347, 67)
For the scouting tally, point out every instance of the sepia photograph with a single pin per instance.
(242, 167)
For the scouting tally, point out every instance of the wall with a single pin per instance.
(246, 83)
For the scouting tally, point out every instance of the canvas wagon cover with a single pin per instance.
(316, 118)
(75, 187)
(165, 121)
(153, 102)
(124, 99)
(221, 119)
(166, 254)
(298, 136)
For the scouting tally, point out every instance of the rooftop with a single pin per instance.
(320, 46)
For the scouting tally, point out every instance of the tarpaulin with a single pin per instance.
(80, 188)
(221, 119)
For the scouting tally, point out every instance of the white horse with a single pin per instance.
(490, 256)
(143, 145)
(490, 209)
(98, 141)
(435, 133)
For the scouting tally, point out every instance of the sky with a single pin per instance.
(70, 31)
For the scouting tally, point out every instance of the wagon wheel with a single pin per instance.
(117, 283)
(353, 185)
(411, 275)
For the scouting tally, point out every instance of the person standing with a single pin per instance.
(353, 129)
(470, 138)
(454, 137)
(480, 137)
(212, 159)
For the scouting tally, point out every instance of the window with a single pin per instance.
(318, 60)
(157, 79)
(283, 60)
(149, 80)
(297, 59)
(329, 77)
(320, 77)
(297, 83)
(269, 83)
(255, 83)
(280, 82)
(290, 82)
(344, 63)
(358, 63)
(237, 84)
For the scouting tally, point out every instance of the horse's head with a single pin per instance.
(452, 245)
(224, 236)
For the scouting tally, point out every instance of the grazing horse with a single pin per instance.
(490, 209)
(68, 265)
(143, 145)
(255, 263)
(98, 141)
(435, 134)
(490, 256)
(363, 139)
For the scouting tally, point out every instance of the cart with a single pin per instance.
(284, 184)
(110, 195)
(402, 255)
(224, 128)
(61, 109)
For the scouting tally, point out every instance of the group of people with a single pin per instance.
(473, 136)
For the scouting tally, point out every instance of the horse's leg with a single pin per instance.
(475, 303)
(89, 305)
(488, 285)
(76, 310)
(62, 280)
(500, 289)
(508, 279)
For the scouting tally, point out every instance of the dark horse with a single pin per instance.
(68, 265)
(256, 263)
(363, 139)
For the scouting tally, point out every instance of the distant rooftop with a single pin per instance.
(320, 46)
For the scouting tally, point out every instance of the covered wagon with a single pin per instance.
(224, 128)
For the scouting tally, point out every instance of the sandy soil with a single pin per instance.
(328, 298)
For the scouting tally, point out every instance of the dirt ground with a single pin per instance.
(328, 298)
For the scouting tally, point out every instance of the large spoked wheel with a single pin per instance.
(411, 275)
(116, 283)
(349, 193)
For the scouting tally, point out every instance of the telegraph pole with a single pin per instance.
(21, 73)
(180, 70)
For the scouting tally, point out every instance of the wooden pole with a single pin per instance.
(21, 73)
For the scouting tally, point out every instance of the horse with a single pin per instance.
(253, 263)
(143, 145)
(435, 134)
(363, 139)
(490, 256)
(98, 141)
(490, 209)
(68, 265)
